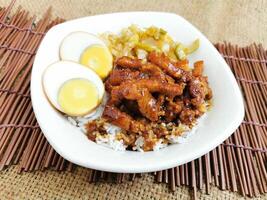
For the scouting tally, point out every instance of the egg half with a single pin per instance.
(72, 88)
(88, 50)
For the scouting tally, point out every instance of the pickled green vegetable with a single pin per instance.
(147, 47)
(182, 51)
(179, 52)
(192, 48)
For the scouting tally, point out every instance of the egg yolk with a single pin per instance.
(78, 97)
(98, 58)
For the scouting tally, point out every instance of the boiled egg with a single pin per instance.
(72, 88)
(88, 50)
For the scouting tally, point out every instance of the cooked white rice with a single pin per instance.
(159, 145)
(111, 142)
(139, 142)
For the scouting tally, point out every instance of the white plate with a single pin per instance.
(223, 119)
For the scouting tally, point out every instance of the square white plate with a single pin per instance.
(223, 119)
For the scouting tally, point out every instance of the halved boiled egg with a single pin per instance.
(72, 88)
(87, 49)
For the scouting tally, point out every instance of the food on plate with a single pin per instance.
(78, 96)
(72, 88)
(141, 94)
(137, 42)
(98, 58)
(88, 50)
(156, 105)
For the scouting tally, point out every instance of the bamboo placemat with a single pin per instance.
(239, 164)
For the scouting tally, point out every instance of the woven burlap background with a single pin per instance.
(239, 22)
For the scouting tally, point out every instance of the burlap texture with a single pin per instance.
(55, 185)
(239, 22)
